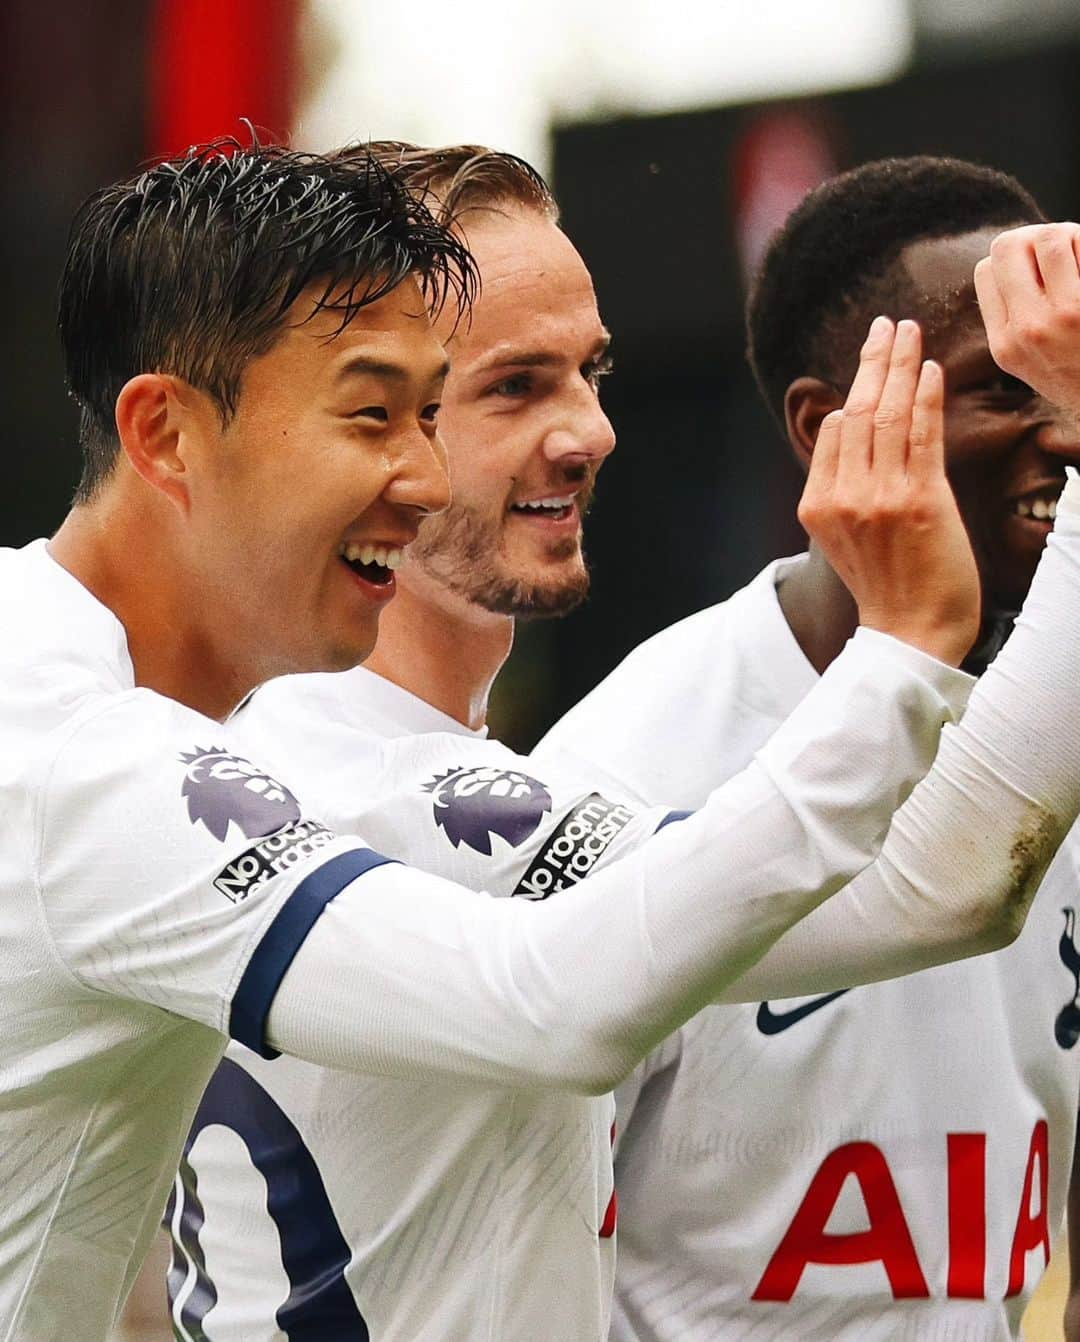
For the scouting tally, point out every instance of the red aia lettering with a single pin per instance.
(611, 1215)
(967, 1215)
(1032, 1230)
(887, 1241)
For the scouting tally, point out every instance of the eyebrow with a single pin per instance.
(360, 365)
(506, 356)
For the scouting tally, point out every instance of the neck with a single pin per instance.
(127, 564)
(442, 648)
(819, 609)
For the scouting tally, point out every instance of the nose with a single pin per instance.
(582, 433)
(421, 478)
(1059, 436)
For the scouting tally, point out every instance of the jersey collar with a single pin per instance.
(763, 638)
(66, 621)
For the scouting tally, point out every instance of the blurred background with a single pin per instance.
(676, 135)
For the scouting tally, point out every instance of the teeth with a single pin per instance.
(370, 554)
(1042, 509)
(554, 504)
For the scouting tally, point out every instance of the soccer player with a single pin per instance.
(901, 1152)
(247, 336)
(313, 1202)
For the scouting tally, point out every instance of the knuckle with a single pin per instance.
(858, 409)
(886, 418)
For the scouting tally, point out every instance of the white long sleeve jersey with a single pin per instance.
(887, 1164)
(317, 1203)
(159, 892)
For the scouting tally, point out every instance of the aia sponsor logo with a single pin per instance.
(222, 789)
(887, 1239)
(472, 805)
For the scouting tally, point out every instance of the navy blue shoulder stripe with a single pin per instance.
(284, 937)
(671, 818)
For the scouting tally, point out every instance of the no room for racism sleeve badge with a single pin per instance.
(223, 789)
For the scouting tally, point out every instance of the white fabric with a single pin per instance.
(119, 957)
(475, 1210)
(948, 1075)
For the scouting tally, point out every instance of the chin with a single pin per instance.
(344, 654)
(541, 596)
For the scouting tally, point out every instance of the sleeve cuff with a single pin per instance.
(953, 685)
(284, 937)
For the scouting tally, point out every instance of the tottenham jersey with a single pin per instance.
(314, 1203)
(886, 1164)
(127, 953)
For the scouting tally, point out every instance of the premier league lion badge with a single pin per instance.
(472, 805)
(220, 787)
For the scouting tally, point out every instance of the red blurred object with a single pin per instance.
(212, 62)
(784, 153)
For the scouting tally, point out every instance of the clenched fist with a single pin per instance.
(1029, 293)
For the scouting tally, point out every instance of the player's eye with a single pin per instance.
(1005, 387)
(376, 412)
(430, 413)
(518, 385)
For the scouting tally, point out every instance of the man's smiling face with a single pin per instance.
(333, 456)
(1006, 448)
(522, 423)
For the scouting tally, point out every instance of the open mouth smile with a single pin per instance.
(373, 564)
(552, 508)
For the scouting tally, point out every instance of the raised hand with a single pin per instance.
(1029, 293)
(879, 505)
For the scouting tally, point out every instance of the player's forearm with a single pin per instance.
(407, 974)
(965, 855)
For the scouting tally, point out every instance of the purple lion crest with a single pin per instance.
(472, 804)
(220, 787)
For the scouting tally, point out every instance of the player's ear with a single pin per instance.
(806, 403)
(155, 419)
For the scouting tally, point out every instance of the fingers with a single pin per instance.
(892, 418)
(1055, 255)
(926, 454)
(1029, 294)
(857, 430)
(992, 304)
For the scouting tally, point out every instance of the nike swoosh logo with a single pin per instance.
(773, 1022)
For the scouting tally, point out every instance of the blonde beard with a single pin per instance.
(459, 549)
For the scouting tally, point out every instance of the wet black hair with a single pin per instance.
(192, 267)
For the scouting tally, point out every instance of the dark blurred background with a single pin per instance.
(670, 210)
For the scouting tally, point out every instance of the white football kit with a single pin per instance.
(317, 1203)
(887, 1164)
(159, 892)
(123, 961)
